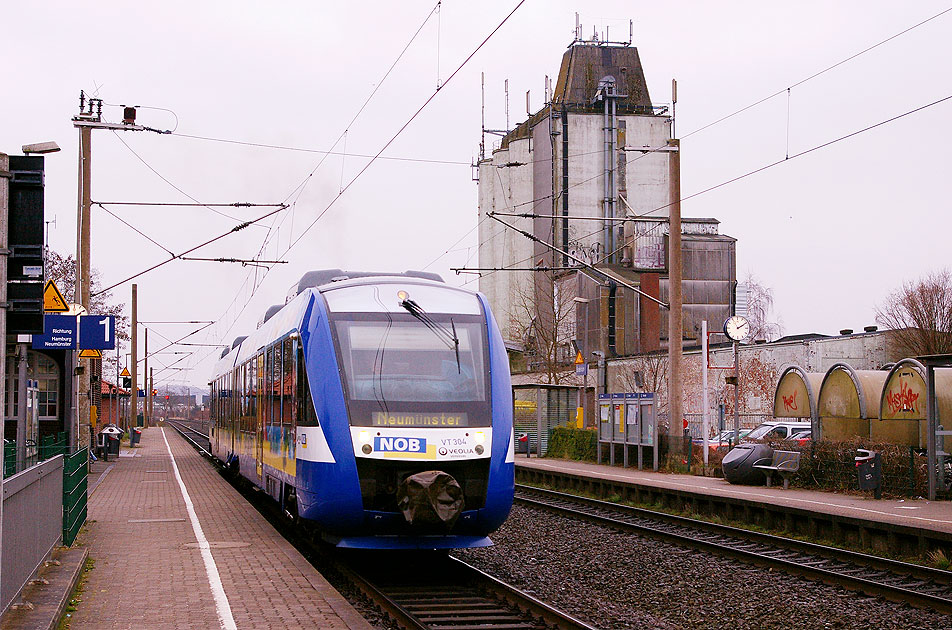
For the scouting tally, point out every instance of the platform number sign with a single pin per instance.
(97, 332)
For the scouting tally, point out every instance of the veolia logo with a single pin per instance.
(400, 444)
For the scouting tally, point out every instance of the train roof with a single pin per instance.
(284, 321)
(280, 321)
(320, 277)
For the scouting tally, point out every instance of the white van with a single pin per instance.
(777, 430)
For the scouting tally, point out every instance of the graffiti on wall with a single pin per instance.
(904, 400)
(790, 402)
(590, 253)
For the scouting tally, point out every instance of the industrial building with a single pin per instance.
(590, 173)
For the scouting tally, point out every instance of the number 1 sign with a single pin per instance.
(97, 332)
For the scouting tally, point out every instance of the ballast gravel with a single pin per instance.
(613, 579)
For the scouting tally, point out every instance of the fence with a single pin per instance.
(42, 505)
(50, 446)
(75, 473)
(32, 524)
(747, 421)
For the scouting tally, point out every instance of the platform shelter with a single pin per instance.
(903, 410)
(796, 397)
(848, 402)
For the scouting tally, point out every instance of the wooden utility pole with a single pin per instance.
(134, 397)
(89, 118)
(151, 399)
(145, 382)
(80, 438)
(675, 325)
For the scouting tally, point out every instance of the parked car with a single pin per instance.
(723, 439)
(777, 430)
(801, 437)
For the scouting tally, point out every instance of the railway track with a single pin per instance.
(919, 586)
(443, 593)
(417, 591)
(192, 435)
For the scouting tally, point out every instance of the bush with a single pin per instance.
(826, 465)
(831, 466)
(571, 443)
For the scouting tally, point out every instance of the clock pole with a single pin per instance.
(736, 388)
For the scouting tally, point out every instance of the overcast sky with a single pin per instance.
(832, 232)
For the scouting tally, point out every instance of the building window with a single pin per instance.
(46, 373)
(44, 370)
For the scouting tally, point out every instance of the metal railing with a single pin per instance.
(50, 446)
(75, 473)
(32, 524)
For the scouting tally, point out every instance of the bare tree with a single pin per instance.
(548, 330)
(921, 314)
(648, 372)
(760, 303)
(62, 271)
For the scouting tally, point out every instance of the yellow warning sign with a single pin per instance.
(90, 354)
(125, 372)
(578, 359)
(53, 300)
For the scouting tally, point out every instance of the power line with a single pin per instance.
(300, 187)
(264, 145)
(806, 151)
(816, 74)
(238, 227)
(236, 204)
(166, 180)
(134, 229)
(376, 156)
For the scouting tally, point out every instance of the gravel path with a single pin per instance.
(617, 580)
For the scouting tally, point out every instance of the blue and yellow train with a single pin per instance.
(377, 407)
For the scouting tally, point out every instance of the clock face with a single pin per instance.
(737, 328)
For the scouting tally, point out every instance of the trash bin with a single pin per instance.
(109, 438)
(135, 436)
(869, 472)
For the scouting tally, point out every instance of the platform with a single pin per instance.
(199, 558)
(919, 513)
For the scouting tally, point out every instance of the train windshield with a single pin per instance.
(399, 371)
(406, 361)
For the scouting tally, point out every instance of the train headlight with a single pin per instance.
(402, 296)
(364, 437)
(480, 437)
(367, 449)
(479, 449)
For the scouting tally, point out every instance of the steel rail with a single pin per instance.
(920, 586)
(452, 594)
(181, 429)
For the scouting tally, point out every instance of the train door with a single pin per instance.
(259, 416)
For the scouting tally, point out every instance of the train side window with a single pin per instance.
(268, 384)
(287, 383)
(307, 416)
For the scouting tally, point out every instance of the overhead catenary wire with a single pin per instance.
(377, 156)
(407, 123)
(754, 104)
(584, 264)
(134, 228)
(817, 74)
(264, 145)
(255, 281)
(238, 227)
(167, 180)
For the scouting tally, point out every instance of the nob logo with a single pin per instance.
(442, 450)
(400, 445)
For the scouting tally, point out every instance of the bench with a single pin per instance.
(786, 463)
